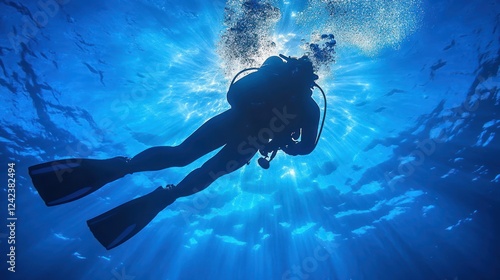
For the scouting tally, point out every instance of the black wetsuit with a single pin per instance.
(241, 131)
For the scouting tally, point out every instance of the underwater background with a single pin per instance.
(404, 183)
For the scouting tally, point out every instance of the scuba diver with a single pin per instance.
(271, 109)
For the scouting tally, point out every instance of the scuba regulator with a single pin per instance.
(297, 68)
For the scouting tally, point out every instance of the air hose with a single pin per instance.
(324, 114)
(241, 72)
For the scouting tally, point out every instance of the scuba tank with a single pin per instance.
(261, 88)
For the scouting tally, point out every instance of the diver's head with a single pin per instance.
(273, 64)
(300, 71)
(303, 71)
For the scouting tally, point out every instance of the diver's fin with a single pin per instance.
(121, 223)
(66, 180)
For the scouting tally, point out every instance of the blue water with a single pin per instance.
(404, 183)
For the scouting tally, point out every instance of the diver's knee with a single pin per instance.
(184, 156)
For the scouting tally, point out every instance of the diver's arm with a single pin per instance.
(309, 131)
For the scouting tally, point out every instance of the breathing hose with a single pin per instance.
(324, 114)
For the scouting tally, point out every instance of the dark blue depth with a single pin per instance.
(404, 182)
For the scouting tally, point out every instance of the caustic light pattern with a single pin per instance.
(404, 182)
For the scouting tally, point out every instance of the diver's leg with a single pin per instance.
(227, 160)
(211, 135)
(121, 223)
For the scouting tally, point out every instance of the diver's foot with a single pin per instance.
(116, 167)
(169, 187)
(167, 195)
(126, 166)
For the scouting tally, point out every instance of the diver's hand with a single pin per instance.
(291, 149)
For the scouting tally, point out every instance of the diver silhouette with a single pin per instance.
(271, 109)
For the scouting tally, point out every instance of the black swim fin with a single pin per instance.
(62, 181)
(121, 223)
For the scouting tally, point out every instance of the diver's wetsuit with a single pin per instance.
(241, 133)
(270, 110)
